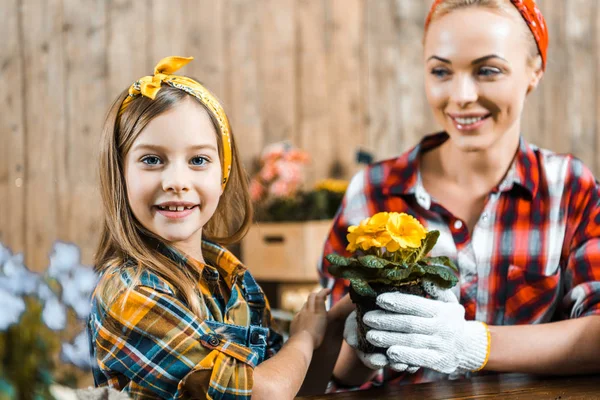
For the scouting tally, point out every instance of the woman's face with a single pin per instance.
(477, 76)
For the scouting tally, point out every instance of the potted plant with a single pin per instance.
(389, 253)
(291, 222)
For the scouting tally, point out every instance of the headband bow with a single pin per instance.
(532, 16)
(149, 86)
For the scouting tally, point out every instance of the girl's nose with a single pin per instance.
(175, 179)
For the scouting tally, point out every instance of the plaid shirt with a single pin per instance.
(533, 257)
(154, 344)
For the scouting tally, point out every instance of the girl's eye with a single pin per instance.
(440, 72)
(151, 160)
(199, 161)
(489, 71)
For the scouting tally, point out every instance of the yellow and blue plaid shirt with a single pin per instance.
(155, 347)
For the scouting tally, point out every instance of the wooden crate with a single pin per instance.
(285, 252)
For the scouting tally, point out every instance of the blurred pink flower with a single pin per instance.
(281, 189)
(268, 171)
(257, 190)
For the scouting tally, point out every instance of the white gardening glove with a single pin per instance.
(429, 333)
(375, 360)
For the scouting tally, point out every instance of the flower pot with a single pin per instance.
(364, 304)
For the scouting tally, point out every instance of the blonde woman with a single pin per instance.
(521, 223)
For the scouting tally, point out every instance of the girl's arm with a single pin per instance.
(564, 347)
(281, 376)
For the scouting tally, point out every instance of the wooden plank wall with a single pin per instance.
(329, 75)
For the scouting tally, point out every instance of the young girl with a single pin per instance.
(175, 315)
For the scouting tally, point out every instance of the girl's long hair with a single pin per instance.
(123, 239)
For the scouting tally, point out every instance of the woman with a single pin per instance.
(521, 223)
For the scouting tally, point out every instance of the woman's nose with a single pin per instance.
(464, 91)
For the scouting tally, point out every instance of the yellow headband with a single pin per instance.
(148, 86)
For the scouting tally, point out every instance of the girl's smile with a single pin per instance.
(176, 209)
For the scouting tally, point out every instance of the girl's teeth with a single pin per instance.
(176, 208)
(468, 121)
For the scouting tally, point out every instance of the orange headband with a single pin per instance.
(532, 16)
(149, 86)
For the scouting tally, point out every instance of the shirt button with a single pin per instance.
(255, 338)
(458, 224)
(213, 340)
(484, 217)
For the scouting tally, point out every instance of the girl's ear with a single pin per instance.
(537, 72)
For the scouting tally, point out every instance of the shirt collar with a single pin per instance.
(217, 258)
(524, 171)
(403, 177)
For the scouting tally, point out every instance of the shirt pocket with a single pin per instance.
(531, 295)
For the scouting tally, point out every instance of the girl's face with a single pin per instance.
(477, 76)
(173, 175)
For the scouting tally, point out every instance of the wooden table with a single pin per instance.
(507, 386)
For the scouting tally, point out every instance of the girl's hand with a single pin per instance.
(312, 318)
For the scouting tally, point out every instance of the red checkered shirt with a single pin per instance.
(533, 255)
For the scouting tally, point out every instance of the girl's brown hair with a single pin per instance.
(123, 239)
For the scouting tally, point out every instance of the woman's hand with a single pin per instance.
(429, 333)
(312, 318)
(340, 310)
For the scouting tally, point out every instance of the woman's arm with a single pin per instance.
(564, 347)
(349, 369)
(324, 358)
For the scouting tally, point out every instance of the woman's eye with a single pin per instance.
(151, 160)
(440, 72)
(199, 161)
(489, 71)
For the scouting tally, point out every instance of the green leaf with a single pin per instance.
(336, 259)
(373, 262)
(441, 260)
(426, 246)
(362, 288)
(442, 275)
(401, 274)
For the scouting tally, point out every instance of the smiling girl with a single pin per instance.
(175, 315)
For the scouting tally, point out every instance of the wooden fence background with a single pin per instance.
(329, 75)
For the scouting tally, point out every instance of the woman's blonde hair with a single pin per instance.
(123, 239)
(503, 6)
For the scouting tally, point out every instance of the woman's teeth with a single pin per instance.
(468, 121)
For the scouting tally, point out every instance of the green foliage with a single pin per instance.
(305, 206)
(394, 268)
(27, 368)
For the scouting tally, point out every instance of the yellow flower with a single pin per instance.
(371, 232)
(405, 230)
(376, 223)
(332, 185)
(366, 240)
